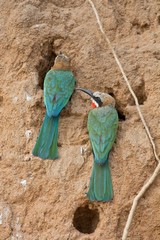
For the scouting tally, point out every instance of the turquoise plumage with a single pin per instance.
(102, 127)
(59, 85)
(58, 88)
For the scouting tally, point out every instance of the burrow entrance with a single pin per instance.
(121, 115)
(46, 62)
(85, 220)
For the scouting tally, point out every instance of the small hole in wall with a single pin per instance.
(158, 19)
(111, 94)
(85, 220)
(121, 115)
(140, 93)
(45, 63)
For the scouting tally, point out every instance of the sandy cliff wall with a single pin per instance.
(45, 200)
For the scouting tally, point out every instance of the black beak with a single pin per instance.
(90, 93)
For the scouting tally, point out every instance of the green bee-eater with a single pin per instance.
(59, 85)
(102, 128)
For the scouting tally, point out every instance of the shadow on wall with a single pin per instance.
(45, 62)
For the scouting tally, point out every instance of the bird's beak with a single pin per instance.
(90, 93)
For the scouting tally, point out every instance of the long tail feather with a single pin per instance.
(100, 188)
(46, 144)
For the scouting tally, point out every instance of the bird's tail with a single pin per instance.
(100, 188)
(46, 144)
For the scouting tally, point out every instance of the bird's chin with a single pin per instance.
(93, 105)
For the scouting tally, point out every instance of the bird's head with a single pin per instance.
(61, 57)
(62, 61)
(99, 99)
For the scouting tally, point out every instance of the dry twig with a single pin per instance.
(156, 171)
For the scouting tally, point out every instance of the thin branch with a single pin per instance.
(137, 198)
(157, 169)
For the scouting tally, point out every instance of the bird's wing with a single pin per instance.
(58, 88)
(102, 127)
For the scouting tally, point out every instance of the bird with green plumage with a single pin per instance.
(102, 127)
(59, 84)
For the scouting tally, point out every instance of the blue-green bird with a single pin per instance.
(102, 128)
(59, 84)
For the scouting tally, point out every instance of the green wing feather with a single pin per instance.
(58, 88)
(102, 127)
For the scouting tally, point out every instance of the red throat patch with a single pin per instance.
(93, 105)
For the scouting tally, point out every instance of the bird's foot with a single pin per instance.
(86, 150)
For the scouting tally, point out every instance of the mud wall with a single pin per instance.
(46, 199)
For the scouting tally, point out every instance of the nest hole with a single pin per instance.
(158, 19)
(142, 97)
(140, 94)
(85, 220)
(45, 63)
(121, 115)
